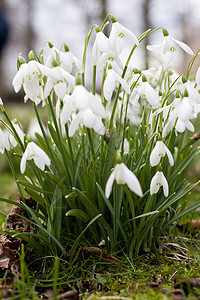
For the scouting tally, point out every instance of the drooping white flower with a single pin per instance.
(157, 181)
(4, 141)
(180, 116)
(110, 81)
(89, 119)
(159, 151)
(117, 36)
(66, 59)
(37, 154)
(30, 76)
(169, 47)
(81, 99)
(60, 83)
(101, 44)
(147, 92)
(123, 175)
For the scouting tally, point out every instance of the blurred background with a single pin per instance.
(27, 24)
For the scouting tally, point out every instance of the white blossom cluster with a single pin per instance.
(77, 106)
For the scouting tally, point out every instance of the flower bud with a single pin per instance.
(144, 79)
(50, 45)
(31, 55)
(165, 32)
(185, 93)
(113, 20)
(66, 48)
(184, 80)
(118, 158)
(20, 61)
(98, 29)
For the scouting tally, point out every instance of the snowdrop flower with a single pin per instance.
(109, 84)
(4, 141)
(60, 84)
(89, 119)
(20, 134)
(180, 116)
(159, 151)
(117, 36)
(29, 75)
(81, 99)
(123, 175)
(157, 181)
(101, 44)
(169, 47)
(67, 59)
(147, 92)
(37, 154)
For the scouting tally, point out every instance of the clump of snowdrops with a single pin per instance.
(109, 166)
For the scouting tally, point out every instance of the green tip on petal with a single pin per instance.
(109, 66)
(165, 32)
(160, 93)
(113, 19)
(31, 55)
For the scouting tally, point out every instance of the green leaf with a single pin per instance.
(78, 213)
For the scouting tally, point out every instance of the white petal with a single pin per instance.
(23, 163)
(165, 185)
(185, 47)
(155, 156)
(132, 181)
(60, 89)
(154, 187)
(74, 124)
(31, 87)
(109, 184)
(170, 157)
(154, 47)
(66, 110)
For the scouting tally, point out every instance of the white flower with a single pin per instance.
(168, 48)
(159, 151)
(101, 44)
(147, 92)
(89, 119)
(60, 83)
(117, 36)
(29, 75)
(109, 84)
(123, 175)
(81, 99)
(20, 134)
(37, 154)
(4, 141)
(157, 181)
(180, 116)
(67, 59)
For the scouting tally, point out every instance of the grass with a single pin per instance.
(148, 276)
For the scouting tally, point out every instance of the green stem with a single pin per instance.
(14, 174)
(94, 79)
(59, 139)
(13, 129)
